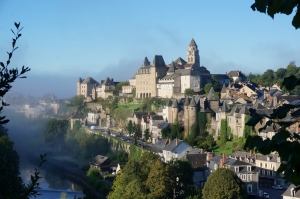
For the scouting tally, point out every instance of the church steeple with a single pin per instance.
(192, 55)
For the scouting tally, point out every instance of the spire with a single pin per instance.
(145, 62)
(223, 89)
(193, 103)
(186, 103)
(175, 104)
(172, 68)
(212, 95)
(169, 102)
(193, 43)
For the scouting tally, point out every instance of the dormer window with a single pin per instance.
(248, 168)
(236, 169)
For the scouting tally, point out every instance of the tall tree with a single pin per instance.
(224, 183)
(56, 130)
(77, 101)
(129, 127)
(146, 134)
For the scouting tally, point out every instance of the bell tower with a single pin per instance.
(192, 55)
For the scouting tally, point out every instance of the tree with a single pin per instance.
(77, 101)
(56, 130)
(223, 131)
(176, 130)
(129, 127)
(284, 142)
(138, 131)
(207, 87)
(272, 7)
(189, 92)
(118, 87)
(224, 183)
(215, 83)
(13, 186)
(146, 134)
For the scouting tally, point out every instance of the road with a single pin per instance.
(274, 193)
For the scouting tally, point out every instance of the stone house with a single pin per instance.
(156, 128)
(198, 161)
(85, 86)
(236, 76)
(247, 172)
(105, 164)
(77, 116)
(136, 117)
(175, 150)
(105, 88)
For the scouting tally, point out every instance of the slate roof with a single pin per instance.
(186, 101)
(156, 117)
(171, 146)
(175, 104)
(145, 62)
(89, 80)
(107, 82)
(193, 103)
(158, 61)
(185, 72)
(223, 89)
(212, 95)
(140, 114)
(288, 192)
(197, 161)
(235, 73)
(160, 144)
(193, 43)
(172, 68)
(77, 115)
(99, 159)
(180, 61)
(169, 102)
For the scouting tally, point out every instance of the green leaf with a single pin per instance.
(281, 135)
(254, 119)
(290, 82)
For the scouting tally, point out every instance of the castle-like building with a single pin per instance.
(161, 80)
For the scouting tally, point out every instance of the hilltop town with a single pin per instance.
(179, 110)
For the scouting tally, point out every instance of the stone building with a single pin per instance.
(85, 86)
(190, 112)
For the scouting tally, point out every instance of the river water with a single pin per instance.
(52, 186)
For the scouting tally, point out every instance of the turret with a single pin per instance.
(175, 110)
(192, 112)
(79, 86)
(186, 117)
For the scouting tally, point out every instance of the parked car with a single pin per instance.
(277, 187)
(266, 195)
(122, 138)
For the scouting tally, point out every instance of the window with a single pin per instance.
(266, 165)
(260, 164)
(248, 168)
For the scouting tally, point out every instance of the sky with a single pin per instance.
(63, 40)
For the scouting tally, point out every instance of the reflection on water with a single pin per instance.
(51, 184)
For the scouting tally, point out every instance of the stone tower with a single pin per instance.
(192, 113)
(174, 110)
(79, 86)
(169, 110)
(186, 117)
(192, 55)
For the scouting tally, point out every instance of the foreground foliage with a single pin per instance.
(149, 177)
(286, 141)
(11, 185)
(272, 7)
(224, 183)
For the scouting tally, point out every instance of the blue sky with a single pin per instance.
(64, 40)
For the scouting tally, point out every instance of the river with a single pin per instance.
(52, 186)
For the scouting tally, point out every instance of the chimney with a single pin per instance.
(251, 152)
(169, 140)
(278, 159)
(112, 79)
(221, 163)
(176, 142)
